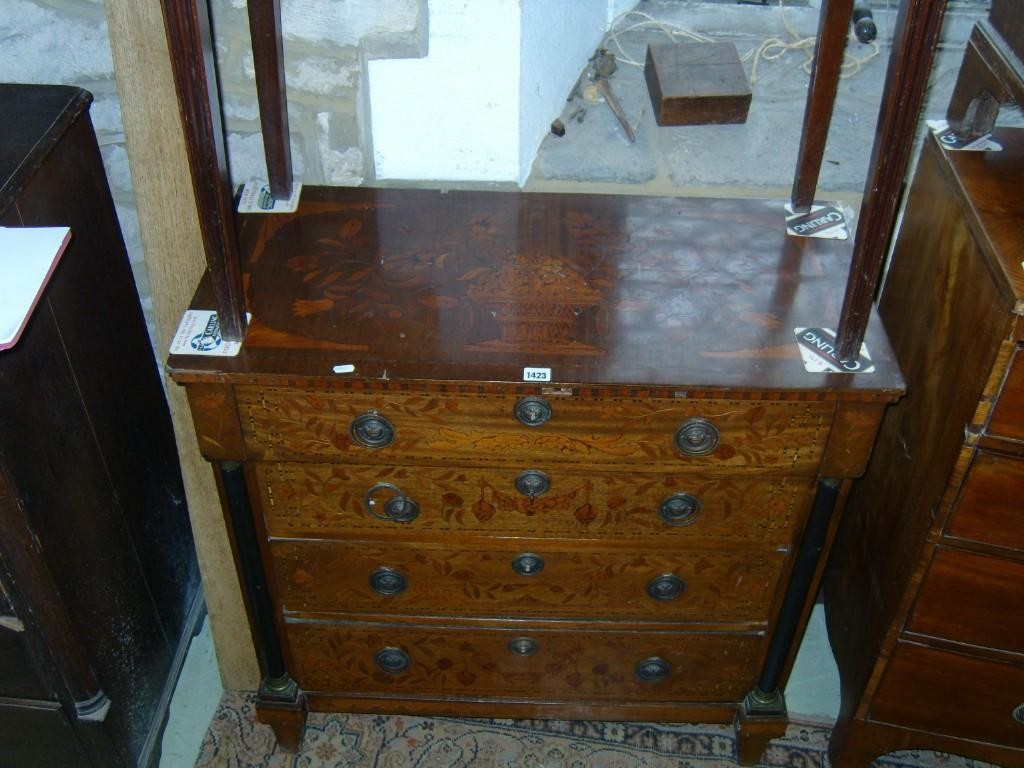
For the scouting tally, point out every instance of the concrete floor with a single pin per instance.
(753, 159)
(193, 705)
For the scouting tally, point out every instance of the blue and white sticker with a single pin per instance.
(948, 138)
(199, 334)
(256, 198)
(536, 374)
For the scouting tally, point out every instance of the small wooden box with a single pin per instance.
(697, 83)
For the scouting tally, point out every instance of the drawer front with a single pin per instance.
(542, 581)
(528, 663)
(991, 505)
(1008, 415)
(480, 430)
(952, 694)
(971, 598)
(300, 499)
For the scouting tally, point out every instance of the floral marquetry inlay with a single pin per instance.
(627, 289)
(780, 437)
(330, 499)
(334, 577)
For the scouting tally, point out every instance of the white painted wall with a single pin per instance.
(453, 115)
(478, 105)
(556, 39)
(618, 7)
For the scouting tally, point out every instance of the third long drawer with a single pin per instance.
(535, 579)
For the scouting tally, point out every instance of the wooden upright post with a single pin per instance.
(173, 247)
(916, 34)
(268, 61)
(833, 29)
(188, 39)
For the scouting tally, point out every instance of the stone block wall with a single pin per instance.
(326, 46)
(65, 42)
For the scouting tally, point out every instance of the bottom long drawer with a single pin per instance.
(524, 663)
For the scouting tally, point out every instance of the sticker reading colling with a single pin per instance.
(818, 351)
(826, 221)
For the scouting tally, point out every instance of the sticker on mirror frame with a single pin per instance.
(830, 221)
(199, 334)
(256, 198)
(818, 351)
(948, 138)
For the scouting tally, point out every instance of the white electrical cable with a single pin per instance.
(769, 49)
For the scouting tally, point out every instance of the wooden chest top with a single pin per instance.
(474, 286)
(987, 185)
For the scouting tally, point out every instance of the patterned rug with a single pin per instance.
(236, 740)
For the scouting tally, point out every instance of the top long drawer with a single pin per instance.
(489, 429)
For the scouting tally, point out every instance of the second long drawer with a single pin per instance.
(677, 509)
(542, 579)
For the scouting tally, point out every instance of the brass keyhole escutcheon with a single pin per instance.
(653, 669)
(533, 483)
(392, 660)
(388, 582)
(523, 646)
(528, 564)
(680, 509)
(668, 586)
(371, 430)
(697, 437)
(533, 411)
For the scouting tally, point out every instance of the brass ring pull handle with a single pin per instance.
(387, 581)
(397, 509)
(533, 411)
(371, 430)
(523, 646)
(652, 670)
(668, 586)
(392, 660)
(697, 437)
(680, 509)
(1018, 713)
(533, 483)
(528, 564)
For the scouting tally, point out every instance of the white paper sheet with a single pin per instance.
(28, 256)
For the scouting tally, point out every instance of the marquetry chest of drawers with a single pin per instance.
(423, 526)
(927, 581)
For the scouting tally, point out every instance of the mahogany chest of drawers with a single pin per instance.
(424, 526)
(925, 593)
